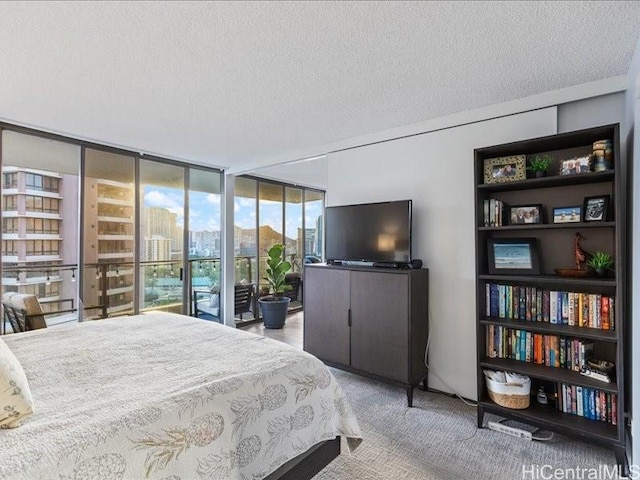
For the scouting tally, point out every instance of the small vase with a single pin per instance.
(541, 173)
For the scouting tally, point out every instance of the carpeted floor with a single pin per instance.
(438, 439)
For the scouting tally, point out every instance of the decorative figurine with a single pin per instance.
(581, 255)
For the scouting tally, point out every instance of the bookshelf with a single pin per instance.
(525, 335)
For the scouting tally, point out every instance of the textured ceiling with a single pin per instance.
(228, 83)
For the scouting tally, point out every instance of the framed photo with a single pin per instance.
(575, 165)
(521, 214)
(513, 256)
(505, 169)
(595, 208)
(567, 214)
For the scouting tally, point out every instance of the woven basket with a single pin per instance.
(509, 395)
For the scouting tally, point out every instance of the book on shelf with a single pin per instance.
(532, 304)
(549, 350)
(589, 403)
(495, 213)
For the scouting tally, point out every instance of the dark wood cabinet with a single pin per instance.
(567, 411)
(326, 314)
(367, 320)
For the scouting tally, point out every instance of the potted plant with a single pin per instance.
(601, 263)
(274, 307)
(540, 165)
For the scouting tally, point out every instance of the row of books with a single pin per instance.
(537, 305)
(549, 350)
(495, 213)
(589, 403)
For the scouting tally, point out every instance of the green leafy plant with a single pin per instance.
(600, 261)
(277, 268)
(540, 163)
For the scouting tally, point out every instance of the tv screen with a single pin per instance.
(371, 232)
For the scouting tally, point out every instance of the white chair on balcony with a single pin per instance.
(23, 312)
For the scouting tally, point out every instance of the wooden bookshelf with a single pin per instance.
(556, 251)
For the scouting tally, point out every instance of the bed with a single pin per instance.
(170, 397)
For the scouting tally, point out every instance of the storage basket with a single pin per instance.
(509, 395)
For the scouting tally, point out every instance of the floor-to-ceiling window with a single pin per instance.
(268, 212)
(93, 231)
(293, 231)
(205, 238)
(162, 188)
(109, 233)
(40, 180)
(313, 224)
(245, 236)
(270, 231)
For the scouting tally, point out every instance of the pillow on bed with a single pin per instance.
(15, 396)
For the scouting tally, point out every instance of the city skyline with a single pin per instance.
(244, 210)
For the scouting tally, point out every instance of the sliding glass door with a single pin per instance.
(162, 201)
(108, 277)
(205, 243)
(40, 180)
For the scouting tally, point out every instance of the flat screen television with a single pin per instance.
(370, 232)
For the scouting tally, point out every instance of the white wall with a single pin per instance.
(306, 173)
(593, 112)
(632, 109)
(435, 170)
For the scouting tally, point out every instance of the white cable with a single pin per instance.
(430, 370)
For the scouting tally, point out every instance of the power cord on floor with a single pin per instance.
(426, 363)
(534, 435)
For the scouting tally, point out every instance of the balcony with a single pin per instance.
(32, 236)
(111, 218)
(112, 255)
(41, 193)
(115, 236)
(119, 290)
(120, 201)
(41, 258)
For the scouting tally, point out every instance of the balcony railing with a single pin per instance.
(108, 288)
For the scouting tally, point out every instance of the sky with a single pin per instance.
(204, 213)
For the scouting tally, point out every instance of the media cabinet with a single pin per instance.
(369, 321)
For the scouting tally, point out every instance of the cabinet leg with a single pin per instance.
(410, 396)
(621, 459)
(480, 417)
(425, 383)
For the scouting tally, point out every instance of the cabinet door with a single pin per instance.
(326, 314)
(380, 323)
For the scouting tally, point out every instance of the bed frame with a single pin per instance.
(309, 463)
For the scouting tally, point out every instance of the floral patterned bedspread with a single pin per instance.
(167, 397)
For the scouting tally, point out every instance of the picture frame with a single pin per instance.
(571, 214)
(595, 208)
(513, 256)
(575, 165)
(525, 214)
(505, 169)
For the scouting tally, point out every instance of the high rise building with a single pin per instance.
(160, 222)
(36, 240)
(109, 245)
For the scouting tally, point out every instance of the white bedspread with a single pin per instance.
(168, 397)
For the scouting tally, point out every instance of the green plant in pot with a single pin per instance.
(274, 306)
(540, 165)
(601, 263)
